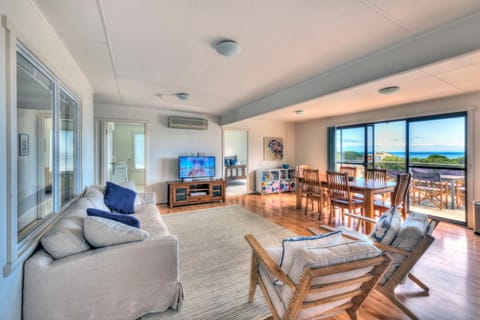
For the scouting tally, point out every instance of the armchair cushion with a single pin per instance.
(387, 226)
(292, 245)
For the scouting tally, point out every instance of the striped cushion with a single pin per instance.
(387, 226)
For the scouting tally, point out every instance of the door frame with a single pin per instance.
(247, 156)
(101, 167)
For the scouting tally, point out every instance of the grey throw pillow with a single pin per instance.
(101, 232)
(64, 241)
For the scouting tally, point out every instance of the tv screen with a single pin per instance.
(196, 167)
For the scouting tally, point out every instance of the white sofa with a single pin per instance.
(122, 281)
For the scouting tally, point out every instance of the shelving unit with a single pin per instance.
(274, 180)
(183, 193)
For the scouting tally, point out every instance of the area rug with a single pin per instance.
(215, 262)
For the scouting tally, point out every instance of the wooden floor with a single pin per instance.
(451, 266)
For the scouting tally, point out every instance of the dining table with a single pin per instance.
(369, 188)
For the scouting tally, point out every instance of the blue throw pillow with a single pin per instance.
(233, 162)
(227, 162)
(128, 220)
(119, 198)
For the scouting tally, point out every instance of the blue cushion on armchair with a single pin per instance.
(119, 198)
(128, 220)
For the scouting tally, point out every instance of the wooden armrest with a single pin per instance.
(330, 229)
(391, 249)
(268, 262)
(369, 220)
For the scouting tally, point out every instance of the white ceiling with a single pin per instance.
(132, 50)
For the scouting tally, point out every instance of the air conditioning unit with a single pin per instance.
(187, 123)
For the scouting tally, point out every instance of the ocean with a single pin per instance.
(450, 155)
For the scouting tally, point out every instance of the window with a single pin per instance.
(139, 150)
(47, 133)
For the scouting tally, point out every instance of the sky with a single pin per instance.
(440, 135)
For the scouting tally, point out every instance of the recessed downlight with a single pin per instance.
(228, 48)
(388, 90)
(159, 95)
(183, 96)
(300, 112)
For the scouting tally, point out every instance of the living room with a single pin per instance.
(92, 52)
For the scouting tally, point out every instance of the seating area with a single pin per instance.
(162, 161)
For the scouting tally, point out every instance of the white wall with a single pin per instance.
(257, 130)
(235, 144)
(164, 145)
(311, 136)
(34, 32)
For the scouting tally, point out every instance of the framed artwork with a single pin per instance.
(272, 148)
(23, 144)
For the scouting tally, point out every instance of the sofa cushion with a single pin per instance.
(122, 218)
(101, 232)
(95, 196)
(387, 226)
(291, 245)
(65, 238)
(119, 198)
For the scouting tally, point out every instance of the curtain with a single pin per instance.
(331, 148)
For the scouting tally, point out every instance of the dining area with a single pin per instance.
(337, 192)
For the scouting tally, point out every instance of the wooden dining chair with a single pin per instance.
(399, 197)
(300, 172)
(351, 171)
(376, 174)
(341, 197)
(314, 190)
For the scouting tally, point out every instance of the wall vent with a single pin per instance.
(187, 123)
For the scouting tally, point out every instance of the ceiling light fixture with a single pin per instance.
(183, 96)
(228, 48)
(388, 90)
(159, 95)
(300, 112)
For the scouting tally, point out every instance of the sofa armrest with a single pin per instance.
(148, 198)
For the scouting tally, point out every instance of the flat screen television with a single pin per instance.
(191, 167)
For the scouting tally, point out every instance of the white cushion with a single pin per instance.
(101, 232)
(412, 231)
(387, 226)
(95, 196)
(131, 185)
(292, 245)
(65, 238)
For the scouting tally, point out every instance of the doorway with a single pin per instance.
(235, 146)
(123, 152)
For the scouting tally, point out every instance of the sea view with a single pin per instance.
(450, 155)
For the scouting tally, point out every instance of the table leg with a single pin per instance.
(298, 193)
(369, 209)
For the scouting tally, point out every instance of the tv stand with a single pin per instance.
(192, 192)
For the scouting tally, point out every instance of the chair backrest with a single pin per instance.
(338, 187)
(376, 174)
(351, 171)
(327, 287)
(300, 169)
(312, 181)
(401, 189)
(426, 175)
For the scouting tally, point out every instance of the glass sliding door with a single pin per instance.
(432, 149)
(437, 153)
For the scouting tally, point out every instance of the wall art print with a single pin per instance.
(272, 148)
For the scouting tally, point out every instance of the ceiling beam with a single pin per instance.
(447, 41)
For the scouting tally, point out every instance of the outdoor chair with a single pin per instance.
(406, 244)
(429, 186)
(303, 280)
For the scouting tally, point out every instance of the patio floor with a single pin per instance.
(457, 214)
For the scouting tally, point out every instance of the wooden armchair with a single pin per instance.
(315, 290)
(405, 253)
